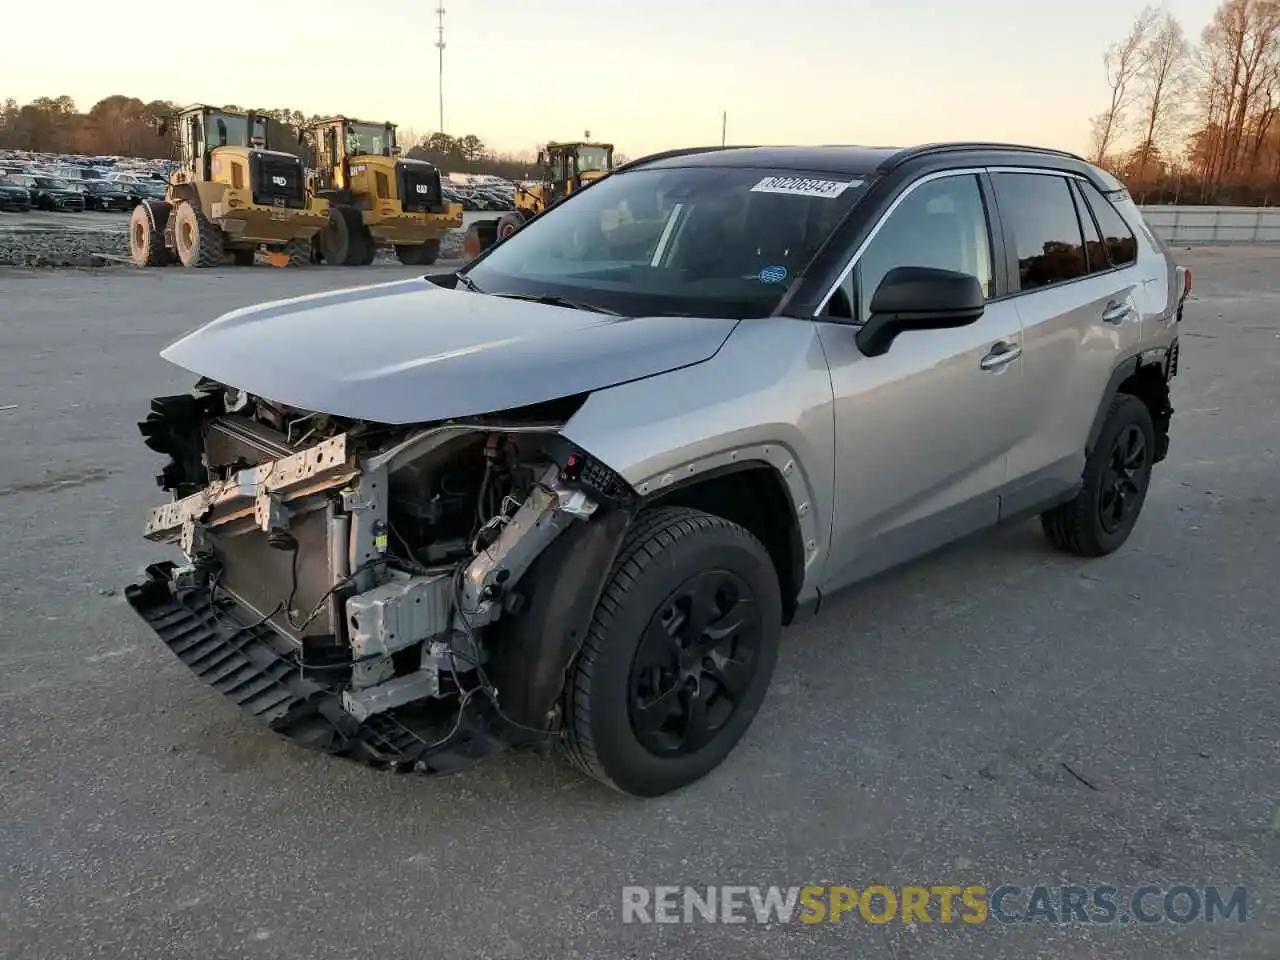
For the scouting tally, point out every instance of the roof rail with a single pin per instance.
(932, 149)
(678, 152)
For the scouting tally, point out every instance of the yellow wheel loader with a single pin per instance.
(376, 197)
(565, 168)
(229, 196)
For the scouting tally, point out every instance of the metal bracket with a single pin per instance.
(545, 513)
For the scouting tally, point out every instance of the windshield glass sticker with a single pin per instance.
(774, 274)
(804, 186)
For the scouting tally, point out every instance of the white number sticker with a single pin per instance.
(804, 186)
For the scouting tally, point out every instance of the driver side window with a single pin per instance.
(942, 223)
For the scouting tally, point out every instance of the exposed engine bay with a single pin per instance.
(356, 584)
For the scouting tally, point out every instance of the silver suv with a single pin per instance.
(570, 494)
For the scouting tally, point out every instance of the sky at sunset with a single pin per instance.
(646, 76)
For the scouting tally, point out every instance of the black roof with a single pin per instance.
(868, 161)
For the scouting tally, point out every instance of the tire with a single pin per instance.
(669, 551)
(341, 243)
(508, 224)
(1095, 524)
(299, 252)
(197, 241)
(368, 251)
(243, 258)
(418, 254)
(146, 243)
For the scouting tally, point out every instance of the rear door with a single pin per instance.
(1080, 314)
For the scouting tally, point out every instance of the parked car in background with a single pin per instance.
(51, 193)
(14, 195)
(105, 195)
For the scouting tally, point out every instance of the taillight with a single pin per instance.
(1186, 282)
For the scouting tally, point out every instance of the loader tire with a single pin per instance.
(341, 242)
(369, 250)
(508, 224)
(146, 243)
(299, 252)
(197, 240)
(418, 254)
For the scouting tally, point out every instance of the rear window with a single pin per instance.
(700, 241)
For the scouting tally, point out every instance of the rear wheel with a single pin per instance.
(679, 654)
(341, 242)
(146, 243)
(198, 242)
(1116, 477)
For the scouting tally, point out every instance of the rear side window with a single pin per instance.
(1122, 246)
(1046, 231)
(1095, 253)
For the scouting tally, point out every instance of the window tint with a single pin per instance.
(1095, 252)
(1120, 241)
(1043, 216)
(941, 224)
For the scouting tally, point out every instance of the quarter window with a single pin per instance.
(1095, 253)
(943, 224)
(1046, 232)
(1122, 246)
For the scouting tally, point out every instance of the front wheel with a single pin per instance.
(679, 654)
(1116, 477)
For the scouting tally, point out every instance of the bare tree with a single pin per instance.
(1123, 61)
(1162, 81)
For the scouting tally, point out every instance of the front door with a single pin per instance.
(922, 431)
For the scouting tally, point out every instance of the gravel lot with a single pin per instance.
(918, 733)
(95, 239)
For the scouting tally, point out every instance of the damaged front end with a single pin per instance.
(408, 596)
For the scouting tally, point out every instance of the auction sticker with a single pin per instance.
(804, 186)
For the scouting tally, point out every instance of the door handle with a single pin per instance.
(1000, 356)
(1117, 312)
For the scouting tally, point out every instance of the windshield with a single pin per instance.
(52, 183)
(592, 158)
(369, 138)
(711, 242)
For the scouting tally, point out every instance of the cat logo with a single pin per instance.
(422, 188)
(280, 181)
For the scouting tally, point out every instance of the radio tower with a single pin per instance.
(440, 48)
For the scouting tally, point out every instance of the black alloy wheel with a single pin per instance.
(695, 663)
(1124, 480)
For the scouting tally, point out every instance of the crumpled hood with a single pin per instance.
(411, 351)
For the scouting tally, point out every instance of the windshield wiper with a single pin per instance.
(552, 300)
(467, 283)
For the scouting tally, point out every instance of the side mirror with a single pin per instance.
(919, 298)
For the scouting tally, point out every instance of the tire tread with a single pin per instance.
(654, 533)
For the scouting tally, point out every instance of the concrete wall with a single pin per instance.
(1186, 225)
